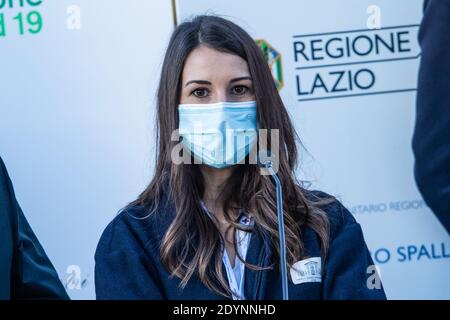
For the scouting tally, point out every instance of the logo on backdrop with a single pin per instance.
(273, 58)
(355, 62)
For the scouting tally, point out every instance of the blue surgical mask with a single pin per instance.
(218, 134)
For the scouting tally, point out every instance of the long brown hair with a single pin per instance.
(193, 243)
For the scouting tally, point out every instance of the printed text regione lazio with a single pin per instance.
(353, 63)
(20, 17)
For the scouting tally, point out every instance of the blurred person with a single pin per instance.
(431, 140)
(25, 270)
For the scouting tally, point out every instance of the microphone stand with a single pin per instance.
(284, 280)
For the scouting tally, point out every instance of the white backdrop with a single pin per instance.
(359, 134)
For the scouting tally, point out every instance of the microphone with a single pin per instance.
(265, 162)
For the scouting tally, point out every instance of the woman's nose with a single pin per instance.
(222, 96)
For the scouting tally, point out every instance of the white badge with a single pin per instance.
(308, 270)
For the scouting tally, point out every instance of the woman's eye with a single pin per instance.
(239, 90)
(200, 93)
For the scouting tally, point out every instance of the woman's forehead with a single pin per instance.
(205, 63)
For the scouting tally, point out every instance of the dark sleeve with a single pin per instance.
(32, 274)
(349, 269)
(431, 141)
(122, 271)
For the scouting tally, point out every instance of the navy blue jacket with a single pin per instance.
(25, 270)
(128, 265)
(431, 142)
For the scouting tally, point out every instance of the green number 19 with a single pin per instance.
(34, 22)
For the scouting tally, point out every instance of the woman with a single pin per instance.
(206, 227)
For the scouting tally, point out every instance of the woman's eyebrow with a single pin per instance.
(241, 78)
(197, 81)
(209, 83)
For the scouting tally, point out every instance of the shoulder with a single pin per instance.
(133, 229)
(2, 166)
(127, 255)
(8, 203)
(338, 215)
(348, 265)
(4, 177)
